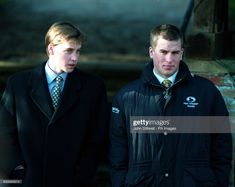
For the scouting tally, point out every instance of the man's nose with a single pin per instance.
(75, 56)
(169, 57)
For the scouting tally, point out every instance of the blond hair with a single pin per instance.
(167, 31)
(60, 32)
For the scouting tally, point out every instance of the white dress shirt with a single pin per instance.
(161, 79)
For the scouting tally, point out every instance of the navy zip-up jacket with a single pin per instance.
(168, 160)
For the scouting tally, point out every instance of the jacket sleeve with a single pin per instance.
(118, 145)
(10, 154)
(221, 151)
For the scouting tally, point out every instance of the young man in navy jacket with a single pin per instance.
(168, 89)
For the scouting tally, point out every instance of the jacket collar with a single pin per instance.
(149, 78)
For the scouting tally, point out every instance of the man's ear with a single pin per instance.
(150, 52)
(182, 54)
(50, 49)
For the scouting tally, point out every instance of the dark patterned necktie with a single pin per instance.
(56, 92)
(166, 83)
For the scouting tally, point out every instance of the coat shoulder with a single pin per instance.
(89, 79)
(20, 77)
(203, 82)
(128, 90)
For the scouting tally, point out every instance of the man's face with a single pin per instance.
(166, 56)
(64, 57)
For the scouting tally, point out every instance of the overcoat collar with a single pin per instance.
(40, 95)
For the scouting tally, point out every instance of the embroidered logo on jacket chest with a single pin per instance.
(190, 102)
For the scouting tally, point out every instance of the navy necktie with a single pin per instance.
(56, 92)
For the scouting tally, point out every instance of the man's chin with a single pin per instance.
(70, 70)
(168, 73)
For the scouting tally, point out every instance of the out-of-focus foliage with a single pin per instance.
(2, 2)
(232, 12)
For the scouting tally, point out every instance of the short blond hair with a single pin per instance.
(60, 32)
(167, 31)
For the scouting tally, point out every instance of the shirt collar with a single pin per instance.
(51, 75)
(161, 79)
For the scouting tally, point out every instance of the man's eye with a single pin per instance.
(68, 51)
(163, 52)
(176, 52)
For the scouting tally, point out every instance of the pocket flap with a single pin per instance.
(134, 178)
(202, 174)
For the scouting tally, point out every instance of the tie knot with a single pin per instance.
(166, 83)
(58, 79)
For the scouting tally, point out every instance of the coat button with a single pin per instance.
(166, 175)
(165, 133)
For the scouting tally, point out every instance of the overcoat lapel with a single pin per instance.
(70, 95)
(39, 92)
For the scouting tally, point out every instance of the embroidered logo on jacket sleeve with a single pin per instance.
(115, 110)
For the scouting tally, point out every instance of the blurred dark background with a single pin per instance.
(115, 26)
